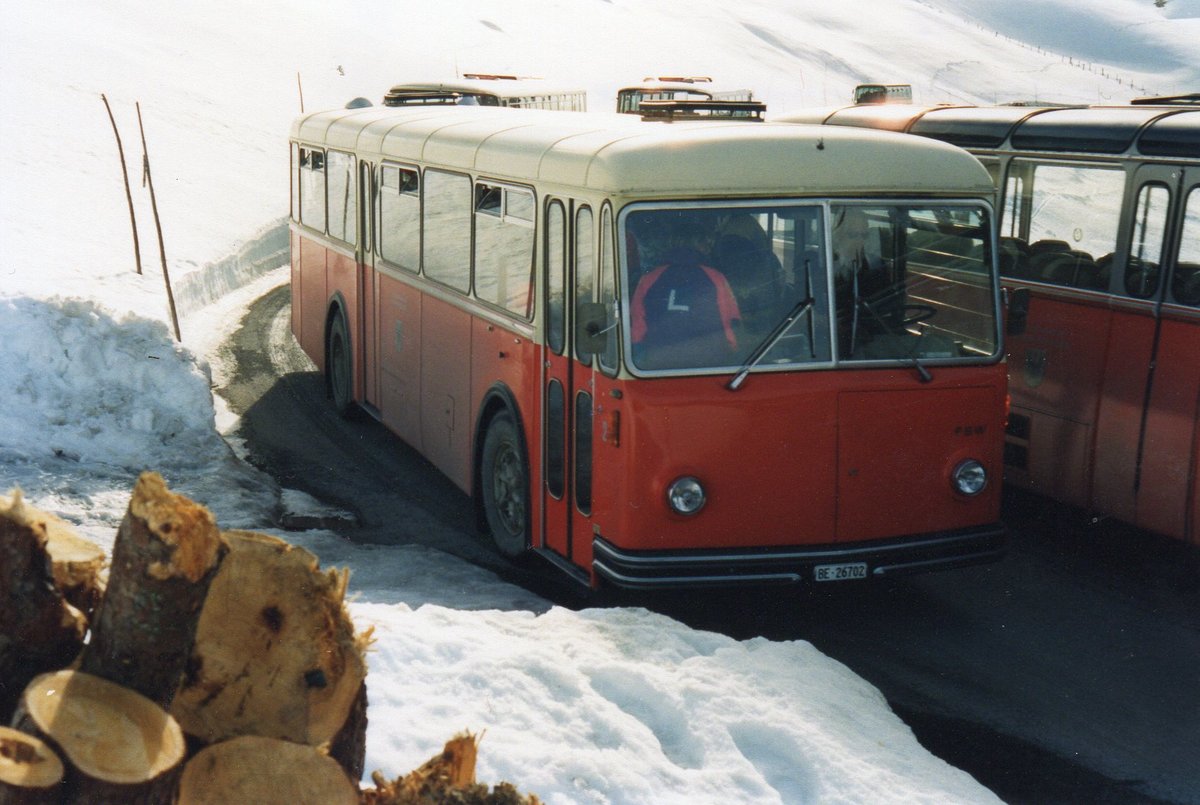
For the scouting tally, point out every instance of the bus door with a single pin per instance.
(567, 383)
(368, 289)
(557, 380)
(1166, 484)
(1139, 383)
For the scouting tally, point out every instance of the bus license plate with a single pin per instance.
(852, 570)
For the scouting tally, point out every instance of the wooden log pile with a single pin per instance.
(207, 667)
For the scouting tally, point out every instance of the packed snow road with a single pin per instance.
(1066, 673)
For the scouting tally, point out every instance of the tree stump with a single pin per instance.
(39, 630)
(30, 771)
(265, 771)
(119, 747)
(166, 553)
(275, 653)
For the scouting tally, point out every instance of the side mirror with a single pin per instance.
(591, 327)
(1017, 302)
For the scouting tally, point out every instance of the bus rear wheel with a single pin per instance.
(338, 371)
(504, 487)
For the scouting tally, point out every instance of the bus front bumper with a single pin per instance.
(794, 565)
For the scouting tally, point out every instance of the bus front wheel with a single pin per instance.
(504, 487)
(338, 372)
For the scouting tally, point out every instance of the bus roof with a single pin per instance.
(621, 154)
(1169, 131)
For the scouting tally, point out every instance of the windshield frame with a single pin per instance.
(824, 301)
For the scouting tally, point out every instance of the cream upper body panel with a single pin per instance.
(622, 154)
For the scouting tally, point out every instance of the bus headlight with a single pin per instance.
(686, 495)
(969, 478)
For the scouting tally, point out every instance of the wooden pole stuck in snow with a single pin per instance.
(137, 248)
(148, 180)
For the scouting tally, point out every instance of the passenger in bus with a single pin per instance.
(684, 313)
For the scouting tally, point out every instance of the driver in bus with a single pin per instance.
(684, 313)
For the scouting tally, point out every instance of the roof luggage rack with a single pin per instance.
(492, 77)
(680, 79)
(669, 111)
(413, 97)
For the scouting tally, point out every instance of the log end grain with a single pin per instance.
(267, 771)
(106, 732)
(27, 764)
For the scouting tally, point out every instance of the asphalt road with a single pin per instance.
(1067, 673)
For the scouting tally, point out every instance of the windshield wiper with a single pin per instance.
(798, 310)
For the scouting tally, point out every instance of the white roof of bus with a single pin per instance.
(622, 154)
(502, 87)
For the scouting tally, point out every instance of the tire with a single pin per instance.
(504, 487)
(339, 373)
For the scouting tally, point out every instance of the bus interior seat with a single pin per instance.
(1141, 278)
(1088, 274)
(1014, 257)
(1063, 267)
(1186, 286)
(1104, 271)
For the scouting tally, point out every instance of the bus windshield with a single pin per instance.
(711, 285)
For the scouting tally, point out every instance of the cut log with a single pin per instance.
(118, 746)
(78, 565)
(30, 771)
(275, 652)
(266, 771)
(166, 553)
(39, 630)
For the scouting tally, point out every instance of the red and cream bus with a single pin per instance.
(1101, 228)
(666, 354)
(488, 89)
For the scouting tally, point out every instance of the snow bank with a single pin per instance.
(90, 400)
(624, 705)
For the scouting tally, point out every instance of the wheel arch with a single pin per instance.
(496, 400)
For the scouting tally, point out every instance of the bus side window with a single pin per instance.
(446, 241)
(400, 216)
(584, 261)
(504, 241)
(295, 181)
(1142, 269)
(1014, 249)
(343, 199)
(608, 293)
(1185, 287)
(312, 188)
(1075, 214)
(556, 267)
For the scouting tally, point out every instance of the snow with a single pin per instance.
(609, 706)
